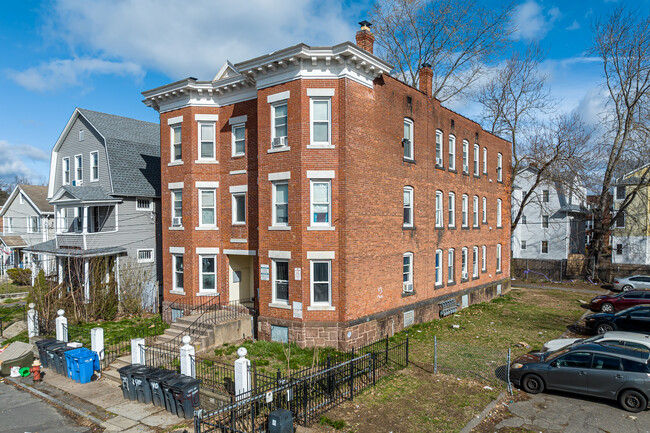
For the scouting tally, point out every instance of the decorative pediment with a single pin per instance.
(228, 70)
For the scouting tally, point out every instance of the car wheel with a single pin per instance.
(607, 307)
(604, 327)
(627, 287)
(533, 384)
(633, 401)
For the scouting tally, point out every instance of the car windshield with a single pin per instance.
(552, 355)
(629, 310)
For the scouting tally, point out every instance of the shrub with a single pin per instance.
(20, 277)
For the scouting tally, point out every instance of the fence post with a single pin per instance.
(330, 381)
(32, 321)
(61, 324)
(197, 422)
(435, 354)
(386, 351)
(136, 353)
(352, 376)
(304, 401)
(508, 373)
(407, 348)
(242, 375)
(374, 366)
(97, 341)
(254, 374)
(187, 353)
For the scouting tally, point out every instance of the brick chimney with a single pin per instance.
(365, 38)
(426, 78)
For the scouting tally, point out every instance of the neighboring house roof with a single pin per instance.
(13, 241)
(50, 247)
(69, 193)
(132, 149)
(35, 194)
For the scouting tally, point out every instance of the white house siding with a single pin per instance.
(636, 250)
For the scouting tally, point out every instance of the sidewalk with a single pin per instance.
(103, 402)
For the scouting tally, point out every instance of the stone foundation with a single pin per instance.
(360, 332)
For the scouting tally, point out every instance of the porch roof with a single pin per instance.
(82, 194)
(50, 247)
(13, 241)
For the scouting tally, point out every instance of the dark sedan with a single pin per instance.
(611, 303)
(635, 319)
(614, 373)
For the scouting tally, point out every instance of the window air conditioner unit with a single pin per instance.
(439, 162)
(279, 141)
(408, 287)
(464, 275)
(177, 221)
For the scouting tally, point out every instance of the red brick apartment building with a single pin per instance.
(347, 203)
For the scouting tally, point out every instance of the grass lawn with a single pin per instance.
(8, 287)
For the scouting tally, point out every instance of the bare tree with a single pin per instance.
(622, 42)
(457, 37)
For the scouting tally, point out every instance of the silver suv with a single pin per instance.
(612, 372)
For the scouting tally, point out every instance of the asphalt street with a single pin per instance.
(22, 412)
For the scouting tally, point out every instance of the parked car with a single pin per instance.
(634, 319)
(632, 282)
(611, 372)
(613, 338)
(611, 303)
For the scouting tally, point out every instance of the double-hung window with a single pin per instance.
(452, 210)
(281, 281)
(407, 272)
(438, 267)
(321, 202)
(177, 208)
(408, 206)
(239, 208)
(176, 151)
(280, 203)
(208, 207)
(545, 196)
(544, 221)
(498, 213)
(465, 205)
(321, 120)
(484, 210)
(439, 218)
(407, 141)
(208, 274)
(450, 265)
(463, 264)
(177, 266)
(465, 156)
(475, 211)
(94, 166)
(499, 167)
(207, 139)
(66, 171)
(34, 224)
(523, 244)
(78, 169)
(476, 162)
(321, 283)
(498, 257)
(485, 160)
(8, 224)
(279, 129)
(475, 262)
(483, 258)
(238, 140)
(452, 152)
(544, 247)
(439, 138)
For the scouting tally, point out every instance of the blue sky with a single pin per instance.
(62, 54)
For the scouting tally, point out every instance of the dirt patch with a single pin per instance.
(500, 412)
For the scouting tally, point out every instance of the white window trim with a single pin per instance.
(498, 267)
(548, 222)
(238, 189)
(475, 210)
(320, 174)
(63, 161)
(92, 178)
(234, 152)
(175, 288)
(320, 92)
(499, 167)
(311, 283)
(238, 120)
(199, 123)
(274, 105)
(405, 284)
(439, 208)
(477, 162)
(464, 274)
(440, 161)
(451, 257)
(410, 191)
(278, 97)
(274, 300)
(172, 156)
(438, 269)
(411, 144)
(465, 211)
(485, 160)
(214, 207)
(78, 165)
(499, 213)
(175, 185)
(451, 205)
(311, 201)
(8, 224)
(173, 193)
(541, 248)
(452, 152)
(281, 255)
(148, 208)
(484, 258)
(484, 216)
(475, 259)
(151, 260)
(175, 120)
(274, 186)
(82, 135)
(234, 207)
(465, 156)
(216, 268)
(321, 255)
(316, 144)
(282, 175)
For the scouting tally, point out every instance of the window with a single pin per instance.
(545, 196)
(94, 166)
(452, 209)
(475, 211)
(484, 210)
(575, 360)
(544, 221)
(8, 224)
(452, 152)
(465, 204)
(439, 219)
(208, 207)
(407, 271)
(176, 154)
(177, 265)
(321, 112)
(21, 198)
(280, 203)
(438, 267)
(499, 167)
(321, 208)
(408, 206)
(33, 224)
(78, 169)
(239, 208)
(78, 219)
(207, 141)
(498, 213)
(450, 265)
(465, 156)
(238, 140)
(463, 264)
(281, 281)
(620, 219)
(498, 257)
(143, 204)
(523, 219)
(475, 262)
(81, 135)
(619, 249)
(523, 244)
(177, 208)
(620, 192)
(476, 162)
(544, 247)
(485, 160)
(66, 171)
(407, 141)
(208, 274)
(145, 256)
(279, 128)
(321, 282)
(439, 149)
(483, 258)
(587, 239)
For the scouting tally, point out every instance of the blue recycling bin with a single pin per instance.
(86, 365)
(72, 364)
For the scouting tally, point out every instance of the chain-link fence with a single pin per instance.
(480, 362)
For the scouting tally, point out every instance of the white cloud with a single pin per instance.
(183, 39)
(575, 25)
(59, 73)
(593, 105)
(17, 159)
(532, 21)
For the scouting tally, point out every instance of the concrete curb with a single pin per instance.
(476, 421)
(56, 401)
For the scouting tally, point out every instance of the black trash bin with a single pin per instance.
(126, 375)
(186, 396)
(42, 354)
(50, 355)
(280, 421)
(141, 383)
(60, 364)
(166, 386)
(155, 381)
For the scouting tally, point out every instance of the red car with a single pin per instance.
(611, 303)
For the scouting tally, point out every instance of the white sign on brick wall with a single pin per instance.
(297, 274)
(297, 310)
(264, 272)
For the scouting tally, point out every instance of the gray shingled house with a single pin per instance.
(105, 188)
